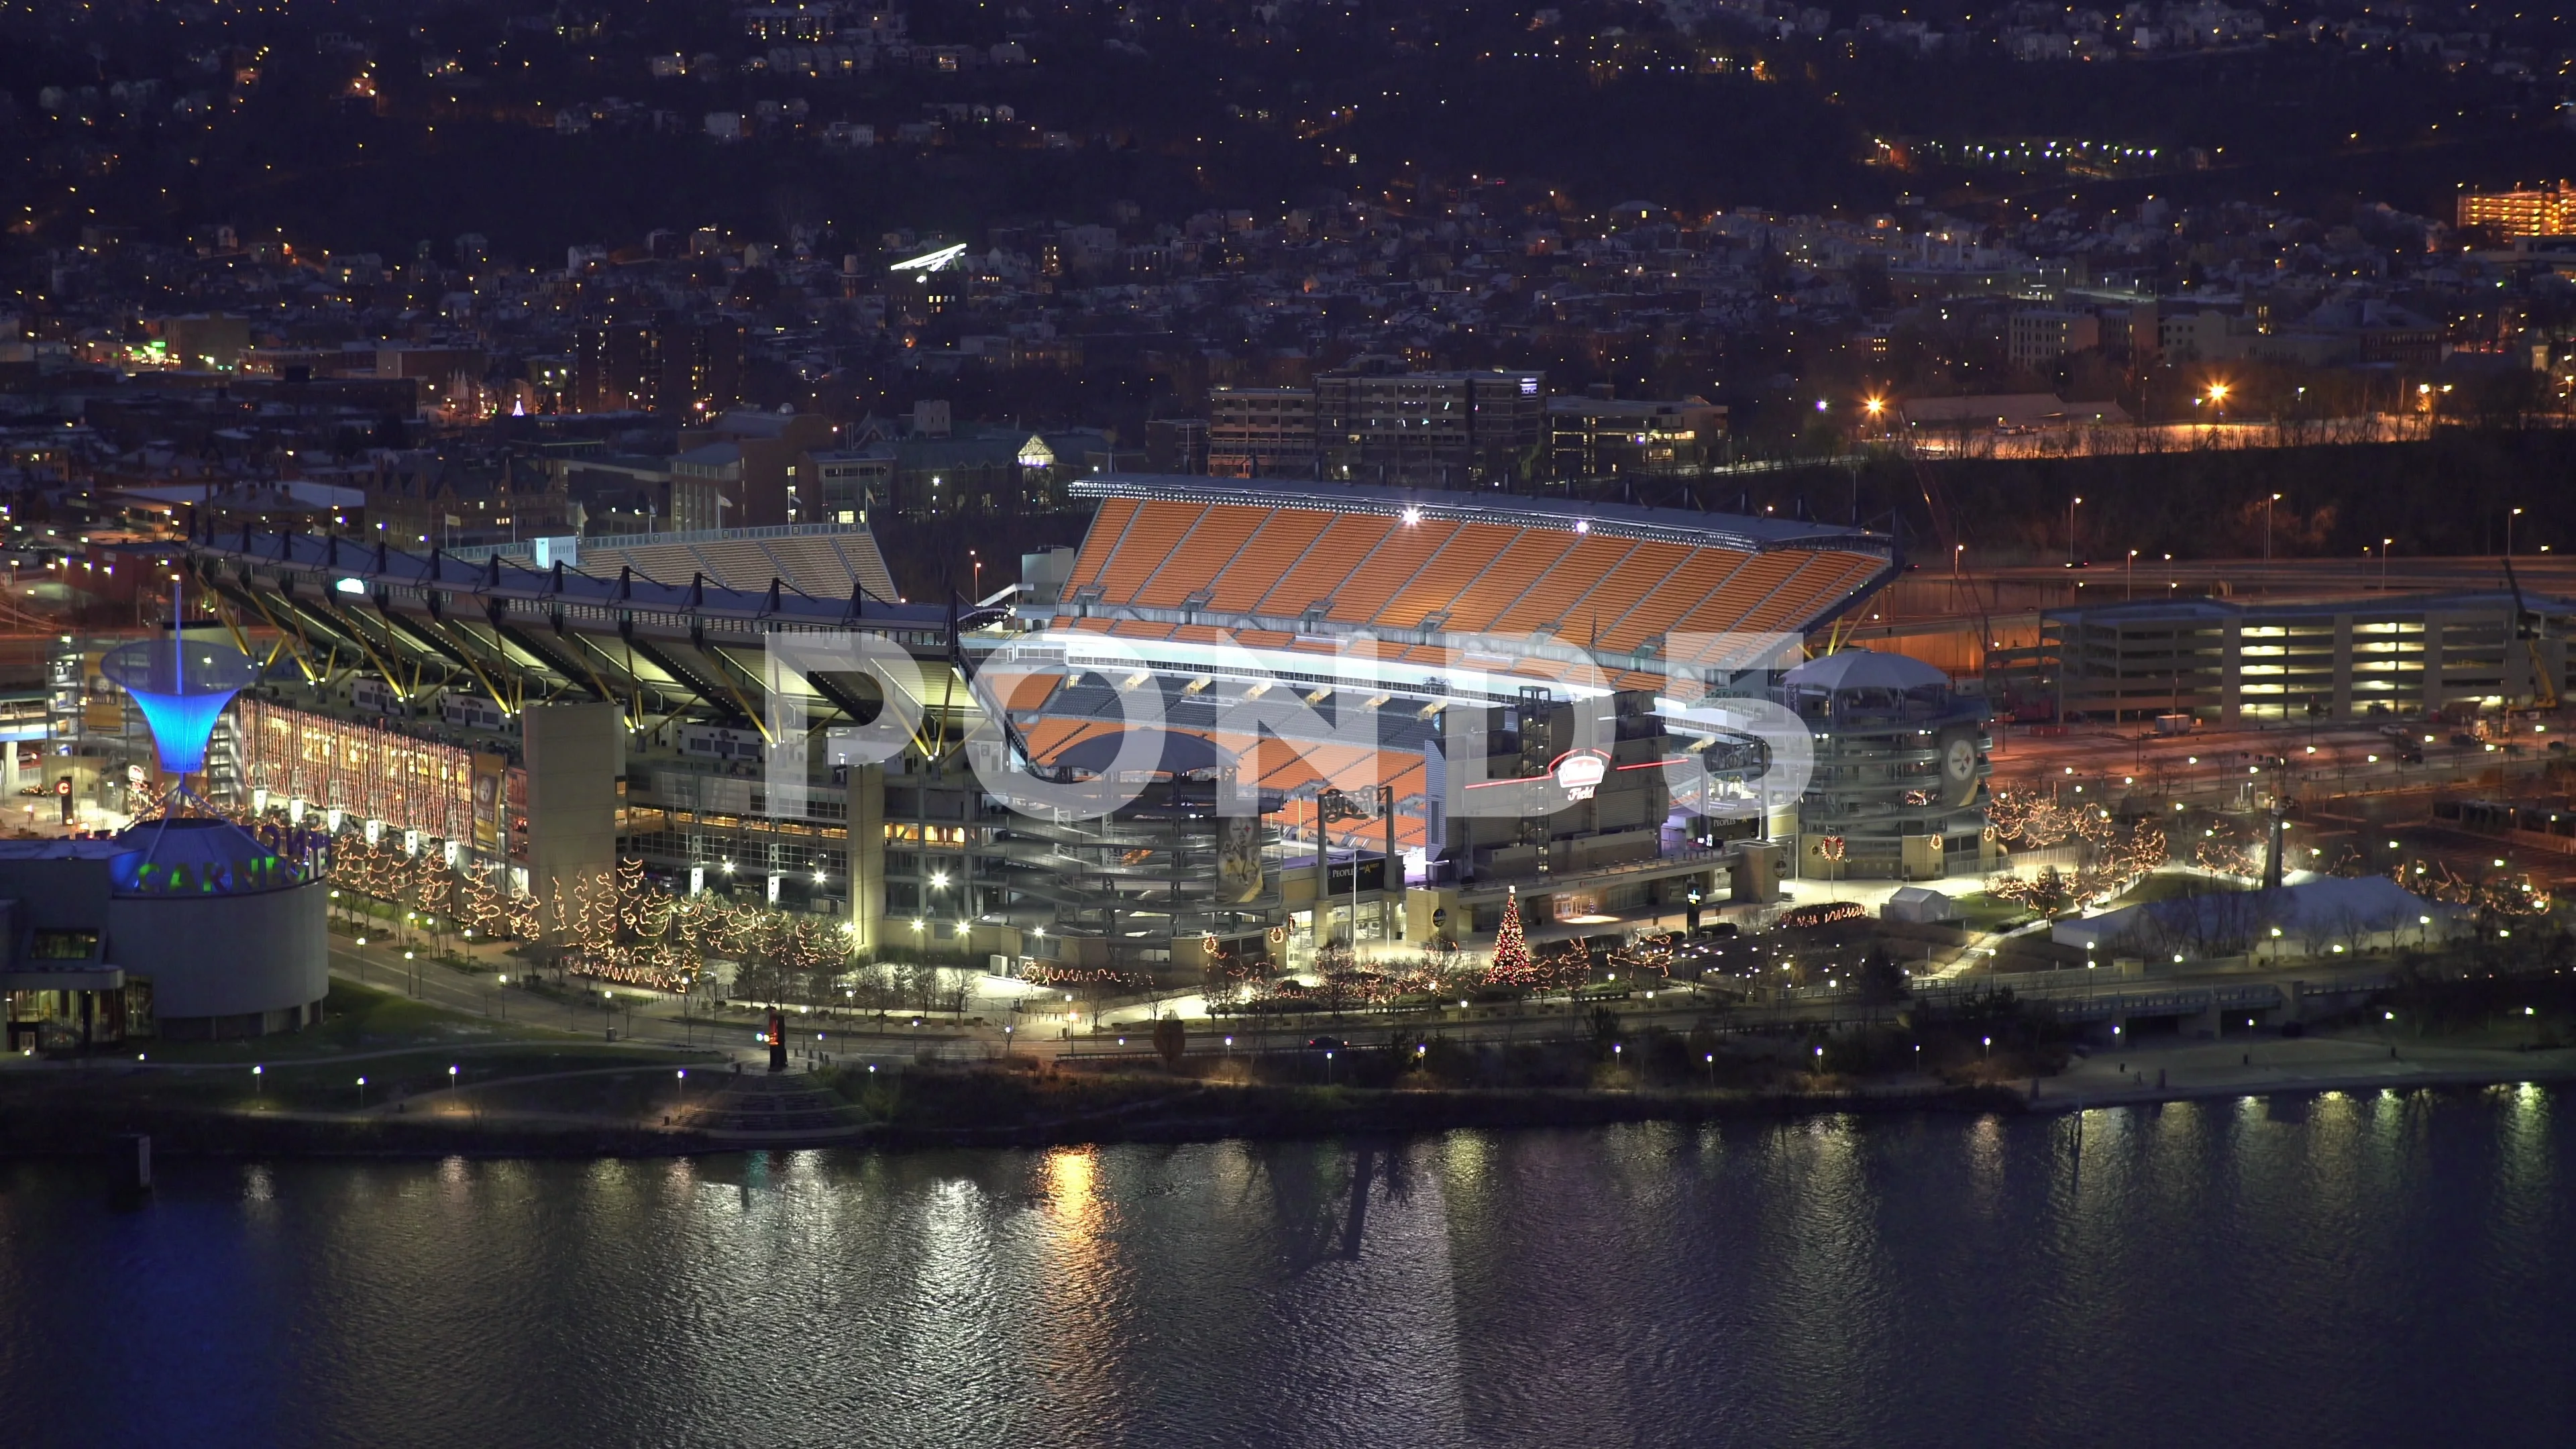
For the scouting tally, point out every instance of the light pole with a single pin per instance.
(2131, 591)
(2267, 526)
(2070, 530)
(2383, 563)
(2508, 531)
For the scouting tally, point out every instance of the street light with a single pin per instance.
(2070, 530)
(2508, 531)
(2267, 516)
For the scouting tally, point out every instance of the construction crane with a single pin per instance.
(2527, 627)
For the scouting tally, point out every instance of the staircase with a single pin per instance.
(761, 1108)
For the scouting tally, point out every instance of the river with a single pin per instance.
(2344, 1270)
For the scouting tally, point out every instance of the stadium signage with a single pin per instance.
(1580, 772)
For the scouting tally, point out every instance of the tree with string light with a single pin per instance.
(1512, 965)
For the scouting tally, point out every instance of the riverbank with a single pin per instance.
(2274, 1066)
(651, 1110)
(922, 1108)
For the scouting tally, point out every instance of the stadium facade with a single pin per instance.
(1313, 714)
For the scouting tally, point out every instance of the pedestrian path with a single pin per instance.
(2267, 1065)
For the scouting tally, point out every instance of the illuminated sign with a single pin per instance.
(1580, 772)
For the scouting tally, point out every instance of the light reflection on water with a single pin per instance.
(2354, 1269)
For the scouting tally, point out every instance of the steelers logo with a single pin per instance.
(1959, 764)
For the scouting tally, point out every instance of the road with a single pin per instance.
(2209, 763)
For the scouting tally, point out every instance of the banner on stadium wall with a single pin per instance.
(1238, 857)
(488, 770)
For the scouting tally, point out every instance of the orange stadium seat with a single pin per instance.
(1620, 591)
(1662, 606)
(1507, 570)
(1328, 561)
(1434, 588)
(1800, 597)
(1107, 527)
(1158, 529)
(1552, 594)
(1744, 592)
(1279, 544)
(1210, 547)
(1403, 553)
(1530, 556)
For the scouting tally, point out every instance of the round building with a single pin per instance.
(183, 928)
(1899, 785)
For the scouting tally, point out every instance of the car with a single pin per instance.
(1325, 1044)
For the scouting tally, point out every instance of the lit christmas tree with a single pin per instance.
(1511, 952)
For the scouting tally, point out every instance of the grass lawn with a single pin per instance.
(359, 1019)
(1979, 911)
(2166, 885)
(391, 1040)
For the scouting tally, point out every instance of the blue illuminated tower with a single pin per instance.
(181, 687)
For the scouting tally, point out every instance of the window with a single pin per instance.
(63, 946)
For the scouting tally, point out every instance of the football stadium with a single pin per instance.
(1315, 716)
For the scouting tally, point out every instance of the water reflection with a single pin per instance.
(2291, 1273)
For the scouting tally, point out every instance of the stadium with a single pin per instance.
(1421, 701)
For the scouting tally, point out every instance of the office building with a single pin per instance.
(1470, 429)
(1600, 437)
(2228, 662)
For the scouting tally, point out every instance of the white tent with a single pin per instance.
(1918, 905)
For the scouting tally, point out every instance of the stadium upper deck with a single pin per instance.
(1290, 565)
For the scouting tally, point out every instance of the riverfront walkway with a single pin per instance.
(2268, 1065)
